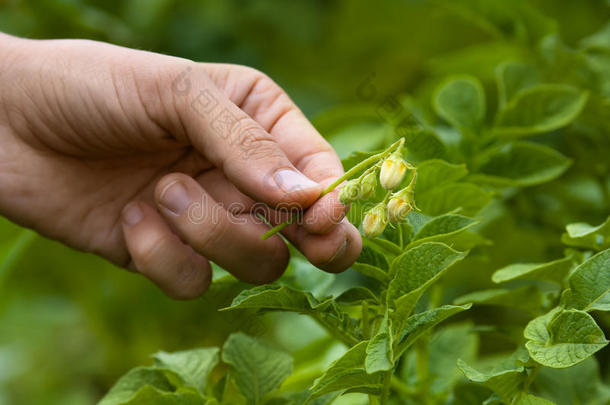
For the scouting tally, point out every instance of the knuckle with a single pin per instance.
(190, 282)
(147, 253)
(255, 143)
(212, 236)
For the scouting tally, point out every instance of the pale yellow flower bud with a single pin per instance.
(368, 185)
(401, 204)
(392, 172)
(398, 209)
(349, 192)
(375, 221)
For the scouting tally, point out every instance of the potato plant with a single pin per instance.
(446, 308)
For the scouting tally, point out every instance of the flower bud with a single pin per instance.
(349, 192)
(401, 204)
(392, 172)
(368, 185)
(398, 209)
(375, 221)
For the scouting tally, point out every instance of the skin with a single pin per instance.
(97, 139)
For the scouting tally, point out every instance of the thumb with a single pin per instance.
(248, 155)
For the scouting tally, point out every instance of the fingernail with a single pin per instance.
(290, 181)
(339, 253)
(132, 214)
(175, 198)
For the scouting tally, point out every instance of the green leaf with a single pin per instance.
(128, 385)
(422, 144)
(356, 295)
(257, 368)
(300, 398)
(586, 236)
(348, 373)
(383, 247)
(539, 109)
(461, 102)
(418, 267)
(520, 164)
(371, 271)
(446, 346)
(470, 198)
(512, 77)
(599, 40)
(149, 395)
(527, 298)
(570, 337)
(371, 256)
(579, 384)
(555, 271)
(283, 298)
(273, 297)
(536, 329)
(379, 351)
(417, 325)
(359, 136)
(529, 399)
(193, 366)
(399, 234)
(442, 228)
(434, 173)
(506, 382)
(590, 284)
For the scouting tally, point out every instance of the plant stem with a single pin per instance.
(402, 388)
(347, 175)
(531, 377)
(421, 364)
(385, 394)
(344, 338)
(366, 330)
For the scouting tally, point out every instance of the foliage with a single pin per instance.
(495, 289)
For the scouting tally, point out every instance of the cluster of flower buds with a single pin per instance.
(361, 188)
(399, 205)
(395, 206)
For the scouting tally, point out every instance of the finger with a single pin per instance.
(268, 104)
(334, 252)
(223, 191)
(232, 241)
(248, 155)
(158, 254)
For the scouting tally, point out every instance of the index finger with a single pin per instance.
(263, 100)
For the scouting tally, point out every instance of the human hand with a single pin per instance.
(159, 163)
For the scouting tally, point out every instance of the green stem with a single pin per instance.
(531, 377)
(366, 330)
(421, 364)
(401, 388)
(345, 338)
(347, 175)
(385, 394)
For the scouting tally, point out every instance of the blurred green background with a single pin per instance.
(70, 323)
